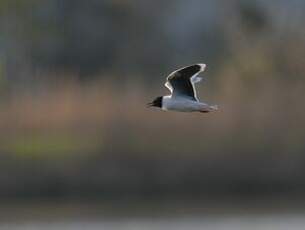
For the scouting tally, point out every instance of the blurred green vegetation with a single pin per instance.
(2, 76)
(48, 146)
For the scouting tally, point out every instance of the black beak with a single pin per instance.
(150, 104)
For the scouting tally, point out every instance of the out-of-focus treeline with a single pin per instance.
(75, 76)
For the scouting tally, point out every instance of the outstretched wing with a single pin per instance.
(181, 82)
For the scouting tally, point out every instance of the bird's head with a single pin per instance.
(157, 102)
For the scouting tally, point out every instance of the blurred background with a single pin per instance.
(79, 149)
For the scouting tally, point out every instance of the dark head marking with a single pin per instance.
(156, 103)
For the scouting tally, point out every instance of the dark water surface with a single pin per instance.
(271, 222)
(150, 216)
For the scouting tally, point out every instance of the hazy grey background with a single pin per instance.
(78, 143)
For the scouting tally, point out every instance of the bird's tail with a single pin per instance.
(214, 107)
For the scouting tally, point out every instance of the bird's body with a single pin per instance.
(183, 104)
(183, 96)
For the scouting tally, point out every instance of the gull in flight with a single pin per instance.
(183, 96)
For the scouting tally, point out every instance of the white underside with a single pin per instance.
(183, 104)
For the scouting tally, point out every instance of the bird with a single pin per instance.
(183, 97)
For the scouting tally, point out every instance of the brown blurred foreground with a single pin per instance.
(101, 141)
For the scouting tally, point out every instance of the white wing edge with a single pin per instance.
(194, 78)
(169, 86)
(202, 68)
